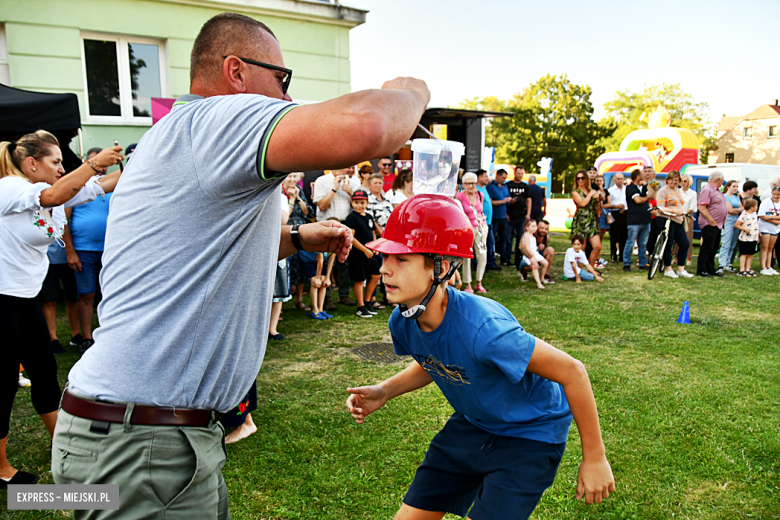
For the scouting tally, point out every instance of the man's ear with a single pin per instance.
(232, 72)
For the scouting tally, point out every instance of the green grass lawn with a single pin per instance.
(690, 413)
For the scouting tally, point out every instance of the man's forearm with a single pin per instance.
(703, 210)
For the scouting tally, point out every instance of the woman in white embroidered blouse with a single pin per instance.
(689, 207)
(33, 193)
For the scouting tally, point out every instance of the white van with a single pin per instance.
(759, 173)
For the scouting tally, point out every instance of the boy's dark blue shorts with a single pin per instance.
(504, 477)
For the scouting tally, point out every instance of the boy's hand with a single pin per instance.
(595, 480)
(598, 278)
(316, 282)
(369, 253)
(365, 400)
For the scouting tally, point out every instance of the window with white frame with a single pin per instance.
(5, 73)
(772, 131)
(747, 132)
(122, 75)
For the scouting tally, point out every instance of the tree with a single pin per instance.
(552, 118)
(624, 110)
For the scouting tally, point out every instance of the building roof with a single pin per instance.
(727, 122)
(764, 111)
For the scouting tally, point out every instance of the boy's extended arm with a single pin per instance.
(331, 261)
(595, 480)
(367, 399)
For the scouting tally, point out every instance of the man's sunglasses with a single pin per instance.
(285, 81)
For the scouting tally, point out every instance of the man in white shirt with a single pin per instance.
(618, 230)
(332, 195)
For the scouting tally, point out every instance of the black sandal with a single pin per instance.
(21, 477)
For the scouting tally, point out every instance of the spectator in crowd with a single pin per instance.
(379, 207)
(618, 229)
(604, 212)
(769, 227)
(402, 187)
(750, 191)
(499, 197)
(518, 210)
(574, 261)
(360, 180)
(713, 210)
(729, 236)
(531, 256)
(60, 272)
(538, 200)
(650, 175)
(313, 264)
(386, 169)
(670, 198)
(586, 218)
(84, 238)
(33, 191)
(363, 264)
(773, 181)
(472, 201)
(638, 219)
(543, 243)
(593, 173)
(332, 195)
(747, 224)
(301, 212)
(487, 208)
(281, 282)
(689, 207)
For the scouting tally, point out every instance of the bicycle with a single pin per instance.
(660, 244)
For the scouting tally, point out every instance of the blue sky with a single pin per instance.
(723, 53)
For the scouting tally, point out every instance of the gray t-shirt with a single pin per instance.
(190, 259)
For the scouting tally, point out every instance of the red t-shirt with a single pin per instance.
(388, 185)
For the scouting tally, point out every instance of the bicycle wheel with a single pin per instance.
(658, 255)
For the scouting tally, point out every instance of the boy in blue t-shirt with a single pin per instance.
(513, 394)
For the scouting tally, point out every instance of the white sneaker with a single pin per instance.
(684, 274)
(670, 274)
(598, 266)
(23, 381)
(766, 272)
(774, 272)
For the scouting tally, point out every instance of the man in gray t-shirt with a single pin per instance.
(193, 238)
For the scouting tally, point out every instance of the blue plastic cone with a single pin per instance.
(685, 314)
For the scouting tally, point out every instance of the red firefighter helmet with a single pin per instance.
(427, 223)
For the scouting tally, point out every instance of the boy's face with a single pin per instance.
(406, 278)
(577, 245)
(359, 206)
(752, 209)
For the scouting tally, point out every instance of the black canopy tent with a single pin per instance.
(23, 112)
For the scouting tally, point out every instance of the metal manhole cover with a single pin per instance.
(380, 352)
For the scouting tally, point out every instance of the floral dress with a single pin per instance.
(297, 274)
(586, 220)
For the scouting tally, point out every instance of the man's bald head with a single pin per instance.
(224, 35)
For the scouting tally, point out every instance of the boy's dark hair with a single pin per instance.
(578, 237)
(749, 185)
(749, 203)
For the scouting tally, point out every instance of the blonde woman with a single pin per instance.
(33, 195)
(471, 200)
(689, 207)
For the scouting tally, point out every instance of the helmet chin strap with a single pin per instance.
(416, 311)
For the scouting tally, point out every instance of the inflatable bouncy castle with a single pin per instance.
(661, 146)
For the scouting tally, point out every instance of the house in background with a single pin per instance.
(116, 55)
(749, 139)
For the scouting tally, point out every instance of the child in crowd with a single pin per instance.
(363, 266)
(747, 223)
(575, 257)
(514, 395)
(312, 264)
(532, 257)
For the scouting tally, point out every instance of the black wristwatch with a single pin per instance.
(295, 237)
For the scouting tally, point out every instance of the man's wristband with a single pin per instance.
(334, 190)
(295, 238)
